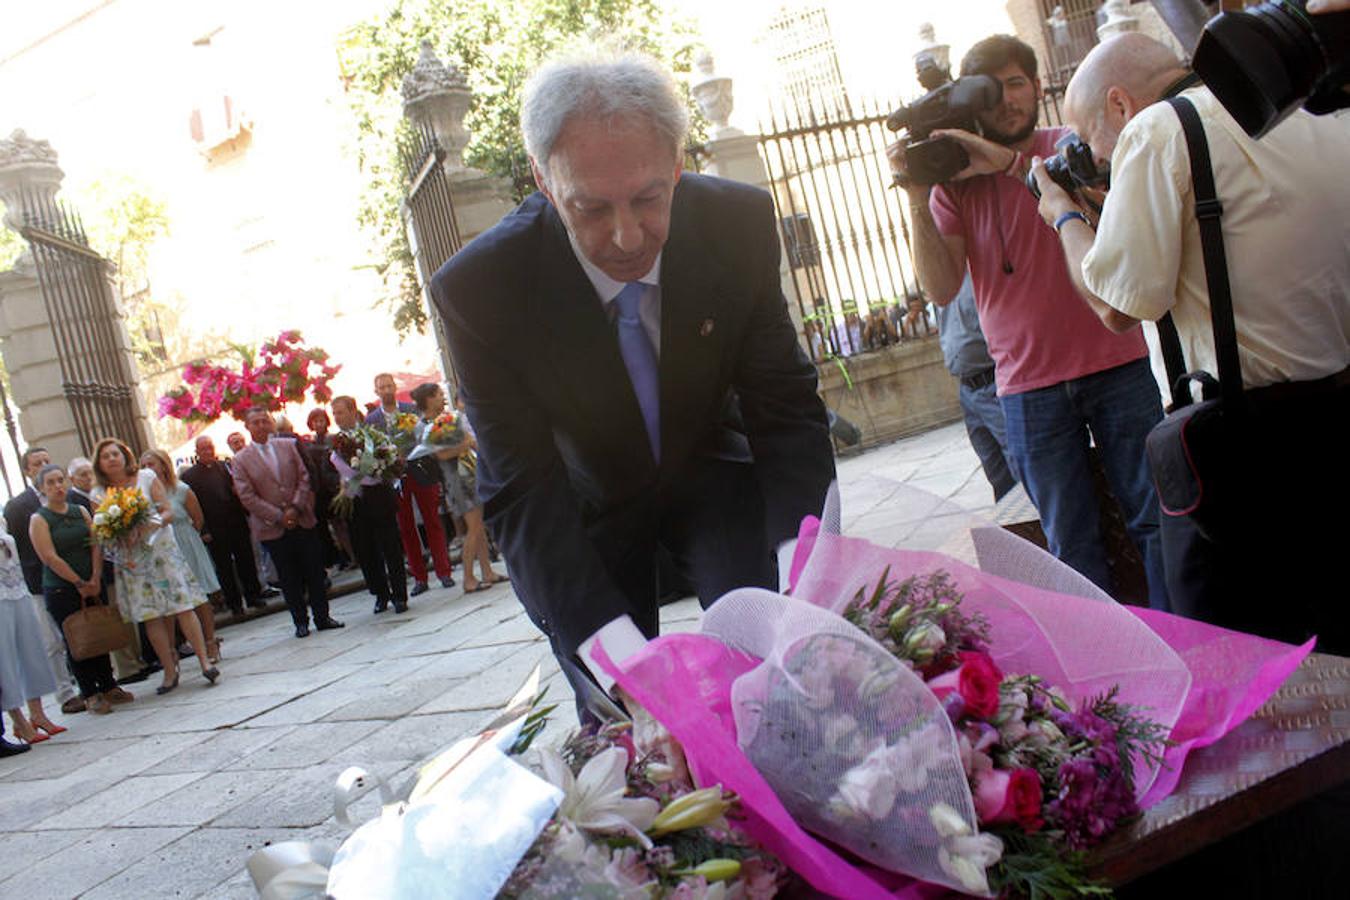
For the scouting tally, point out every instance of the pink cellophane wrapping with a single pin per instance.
(1199, 680)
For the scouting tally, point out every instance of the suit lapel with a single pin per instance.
(692, 288)
(581, 345)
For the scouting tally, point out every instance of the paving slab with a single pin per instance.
(117, 801)
(88, 862)
(305, 745)
(204, 799)
(189, 866)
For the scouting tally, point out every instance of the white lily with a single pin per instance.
(594, 798)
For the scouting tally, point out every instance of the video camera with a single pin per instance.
(1264, 62)
(948, 104)
(1072, 167)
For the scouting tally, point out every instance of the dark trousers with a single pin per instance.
(1276, 573)
(379, 549)
(94, 675)
(712, 528)
(298, 556)
(231, 552)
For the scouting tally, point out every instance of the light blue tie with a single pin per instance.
(640, 359)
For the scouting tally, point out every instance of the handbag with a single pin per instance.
(1194, 452)
(95, 629)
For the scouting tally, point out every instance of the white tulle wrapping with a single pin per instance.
(900, 756)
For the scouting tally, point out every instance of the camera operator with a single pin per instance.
(1285, 206)
(1060, 373)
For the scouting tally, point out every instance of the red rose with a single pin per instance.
(1004, 796)
(977, 679)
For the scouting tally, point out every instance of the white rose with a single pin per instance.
(100, 518)
(869, 788)
(114, 511)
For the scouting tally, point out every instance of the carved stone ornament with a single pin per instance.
(714, 96)
(429, 76)
(928, 44)
(28, 171)
(1119, 19)
(437, 96)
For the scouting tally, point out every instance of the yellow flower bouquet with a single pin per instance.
(120, 512)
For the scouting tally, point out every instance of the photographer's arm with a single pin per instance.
(939, 259)
(1076, 237)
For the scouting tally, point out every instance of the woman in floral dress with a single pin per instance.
(154, 584)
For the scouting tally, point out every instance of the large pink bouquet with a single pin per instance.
(1041, 725)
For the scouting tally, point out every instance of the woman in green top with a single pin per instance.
(72, 569)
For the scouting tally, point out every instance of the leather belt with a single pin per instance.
(978, 380)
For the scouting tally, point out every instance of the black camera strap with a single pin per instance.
(1208, 212)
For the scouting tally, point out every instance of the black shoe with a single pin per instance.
(132, 679)
(419, 587)
(302, 631)
(186, 652)
(328, 624)
(401, 607)
(257, 603)
(447, 582)
(9, 748)
(269, 592)
(381, 606)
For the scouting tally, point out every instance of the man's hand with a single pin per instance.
(986, 157)
(1055, 201)
(290, 518)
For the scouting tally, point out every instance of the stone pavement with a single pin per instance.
(168, 796)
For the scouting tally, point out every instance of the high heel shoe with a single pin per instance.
(213, 651)
(168, 685)
(50, 728)
(211, 674)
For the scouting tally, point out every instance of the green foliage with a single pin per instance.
(11, 245)
(495, 44)
(1036, 867)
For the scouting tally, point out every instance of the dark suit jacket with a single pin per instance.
(566, 475)
(18, 511)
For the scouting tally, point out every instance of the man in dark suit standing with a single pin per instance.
(272, 483)
(414, 487)
(226, 533)
(625, 353)
(373, 525)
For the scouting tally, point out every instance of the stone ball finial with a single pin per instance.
(431, 76)
(703, 61)
(927, 33)
(1119, 19)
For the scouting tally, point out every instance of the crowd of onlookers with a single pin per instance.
(239, 525)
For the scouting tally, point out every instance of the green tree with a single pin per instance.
(496, 44)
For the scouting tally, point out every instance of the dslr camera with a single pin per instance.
(1264, 62)
(948, 104)
(1072, 167)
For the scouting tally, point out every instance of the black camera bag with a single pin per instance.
(1195, 451)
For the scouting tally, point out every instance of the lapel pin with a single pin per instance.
(705, 328)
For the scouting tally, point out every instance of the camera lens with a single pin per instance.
(1264, 62)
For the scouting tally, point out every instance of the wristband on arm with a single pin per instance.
(1067, 217)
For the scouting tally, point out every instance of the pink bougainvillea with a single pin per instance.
(281, 371)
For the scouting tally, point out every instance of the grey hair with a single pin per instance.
(610, 87)
(78, 462)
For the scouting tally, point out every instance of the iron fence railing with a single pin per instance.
(844, 229)
(96, 371)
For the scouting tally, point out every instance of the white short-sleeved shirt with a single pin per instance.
(1286, 205)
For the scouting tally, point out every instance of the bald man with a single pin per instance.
(1285, 205)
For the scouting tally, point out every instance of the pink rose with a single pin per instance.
(976, 679)
(1009, 796)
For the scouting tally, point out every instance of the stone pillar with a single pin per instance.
(29, 181)
(733, 154)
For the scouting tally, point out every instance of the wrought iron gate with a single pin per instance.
(433, 231)
(97, 377)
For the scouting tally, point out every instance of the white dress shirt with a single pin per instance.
(607, 289)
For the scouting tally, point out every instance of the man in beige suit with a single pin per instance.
(271, 482)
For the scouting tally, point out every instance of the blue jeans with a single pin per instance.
(988, 436)
(1048, 444)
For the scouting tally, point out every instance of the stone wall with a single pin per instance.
(895, 392)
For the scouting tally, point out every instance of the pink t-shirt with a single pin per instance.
(1040, 331)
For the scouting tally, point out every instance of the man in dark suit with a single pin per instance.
(629, 367)
(414, 487)
(273, 485)
(373, 525)
(226, 533)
